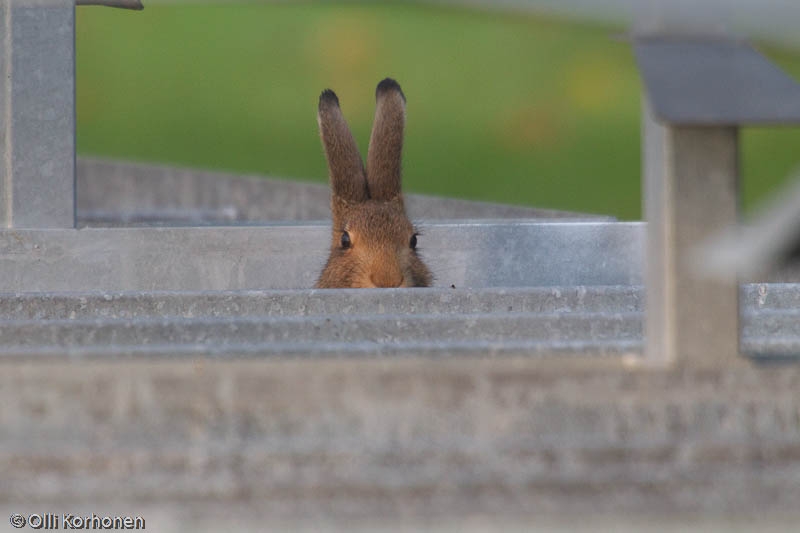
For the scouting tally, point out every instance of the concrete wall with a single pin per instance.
(401, 439)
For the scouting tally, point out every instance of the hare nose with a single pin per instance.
(386, 278)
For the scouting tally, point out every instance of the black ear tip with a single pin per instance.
(328, 97)
(386, 85)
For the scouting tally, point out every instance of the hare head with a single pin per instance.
(373, 244)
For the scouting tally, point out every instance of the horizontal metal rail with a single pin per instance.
(460, 254)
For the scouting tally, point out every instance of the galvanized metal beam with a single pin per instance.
(591, 321)
(37, 93)
(464, 254)
(690, 192)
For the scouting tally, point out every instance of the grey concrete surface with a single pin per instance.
(463, 253)
(233, 516)
(213, 517)
(37, 120)
(116, 193)
(401, 439)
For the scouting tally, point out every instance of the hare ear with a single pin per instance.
(346, 169)
(386, 142)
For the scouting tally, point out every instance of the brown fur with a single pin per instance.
(368, 204)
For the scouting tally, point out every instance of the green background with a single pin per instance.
(501, 107)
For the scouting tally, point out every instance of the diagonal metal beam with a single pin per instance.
(124, 4)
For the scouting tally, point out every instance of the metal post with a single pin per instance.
(691, 176)
(37, 113)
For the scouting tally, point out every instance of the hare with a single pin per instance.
(373, 244)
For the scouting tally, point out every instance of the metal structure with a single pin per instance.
(164, 348)
(589, 321)
(523, 254)
(37, 177)
(699, 92)
(768, 242)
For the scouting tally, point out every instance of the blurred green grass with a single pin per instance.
(506, 108)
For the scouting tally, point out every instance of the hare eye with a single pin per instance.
(413, 243)
(345, 240)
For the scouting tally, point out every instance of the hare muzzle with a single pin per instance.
(384, 274)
